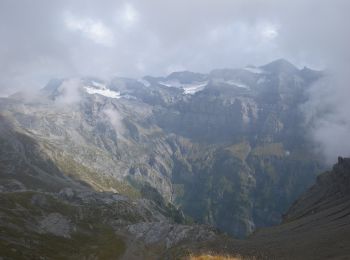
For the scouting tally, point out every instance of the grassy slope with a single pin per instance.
(22, 239)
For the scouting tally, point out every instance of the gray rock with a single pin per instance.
(56, 224)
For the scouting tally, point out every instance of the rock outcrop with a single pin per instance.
(228, 148)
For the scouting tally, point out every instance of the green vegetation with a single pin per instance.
(99, 182)
(214, 257)
(102, 243)
(269, 149)
(240, 150)
(90, 238)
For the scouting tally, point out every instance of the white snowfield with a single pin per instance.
(232, 82)
(144, 82)
(171, 84)
(254, 70)
(188, 89)
(101, 89)
(98, 85)
(236, 84)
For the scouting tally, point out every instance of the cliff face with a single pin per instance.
(229, 148)
(331, 194)
(316, 226)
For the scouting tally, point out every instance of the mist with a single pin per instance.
(41, 40)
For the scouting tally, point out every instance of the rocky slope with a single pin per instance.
(75, 224)
(316, 226)
(228, 148)
(46, 214)
(84, 224)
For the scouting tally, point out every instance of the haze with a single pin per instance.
(45, 39)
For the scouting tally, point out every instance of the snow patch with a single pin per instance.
(98, 85)
(188, 89)
(171, 84)
(144, 82)
(103, 92)
(254, 70)
(237, 84)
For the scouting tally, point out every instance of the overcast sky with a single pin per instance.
(42, 39)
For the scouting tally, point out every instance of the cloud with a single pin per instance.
(116, 119)
(327, 117)
(132, 38)
(128, 15)
(92, 29)
(42, 39)
(268, 31)
(69, 92)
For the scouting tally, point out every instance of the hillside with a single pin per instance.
(228, 148)
(316, 226)
(161, 166)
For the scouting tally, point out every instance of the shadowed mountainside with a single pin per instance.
(316, 226)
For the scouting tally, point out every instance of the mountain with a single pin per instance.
(316, 226)
(228, 148)
(281, 66)
(49, 214)
(78, 222)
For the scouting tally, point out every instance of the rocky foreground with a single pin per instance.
(87, 225)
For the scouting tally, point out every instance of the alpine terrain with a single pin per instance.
(158, 167)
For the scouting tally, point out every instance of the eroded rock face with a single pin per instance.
(232, 153)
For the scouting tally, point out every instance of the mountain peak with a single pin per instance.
(186, 76)
(280, 65)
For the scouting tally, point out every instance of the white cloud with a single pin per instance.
(268, 31)
(69, 92)
(147, 38)
(116, 119)
(128, 16)
(154, 37)
(93, 29)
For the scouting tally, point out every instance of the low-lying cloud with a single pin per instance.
(45, 39)
(69, 92)
(327, 115)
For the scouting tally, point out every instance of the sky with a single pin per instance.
(41, 39)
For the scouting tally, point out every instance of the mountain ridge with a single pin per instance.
(232, 153)
(316, 226)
